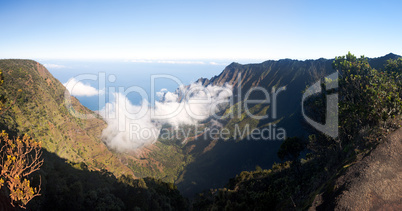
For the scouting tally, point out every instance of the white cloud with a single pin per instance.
(179, 62)
(167, 61)
(133, 126)
(122, 123)
(142, 61)
(161, 93)
(216, 63)
(155, 61)
(54, 66)
(77, 88)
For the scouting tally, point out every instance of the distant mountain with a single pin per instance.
(378, 63)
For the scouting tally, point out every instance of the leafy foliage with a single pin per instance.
(394, 66)
(19, 158)
(369, 108)
(369, 97)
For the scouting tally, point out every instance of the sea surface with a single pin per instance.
(124, 76)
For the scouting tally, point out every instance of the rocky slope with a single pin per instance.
(372, 183)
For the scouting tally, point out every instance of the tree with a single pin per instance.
(358, 90)
(290, 149)
(368, 97)
(394, 66)
(19, 158)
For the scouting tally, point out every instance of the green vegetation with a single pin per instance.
(35, 106)
(370, 108)
(19, 158)
(80, 173)
(72, 186)
(375, 97)
(291, 148)
(165, 160)
(2, 98)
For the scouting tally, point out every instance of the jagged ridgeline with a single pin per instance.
(202, 163)
(217, 161)
(359, 170)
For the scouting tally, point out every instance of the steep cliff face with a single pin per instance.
(358, 171)
(215, 161)
(293, 75)
(35, 105)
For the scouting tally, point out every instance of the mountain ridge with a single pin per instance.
(354, 160)
(295, 75)
(195, 164)
(39, 110)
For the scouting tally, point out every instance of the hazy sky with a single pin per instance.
(198, 31)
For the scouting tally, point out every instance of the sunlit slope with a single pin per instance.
(35, 105)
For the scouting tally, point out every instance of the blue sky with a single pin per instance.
(209, 30)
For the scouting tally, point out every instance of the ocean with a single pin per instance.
(135, 77)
